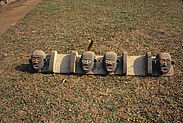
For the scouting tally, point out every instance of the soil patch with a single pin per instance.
(12, 13)
(2, 2)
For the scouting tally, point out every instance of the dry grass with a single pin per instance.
(65, 25)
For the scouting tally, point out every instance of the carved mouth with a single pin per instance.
(86, 68)
(110, 68)
(35, 66)
(165, 69)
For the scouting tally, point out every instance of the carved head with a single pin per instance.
(163, 62)
(88, 61)
(110, 61)
(37, 60)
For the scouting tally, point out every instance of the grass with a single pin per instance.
(63, 25)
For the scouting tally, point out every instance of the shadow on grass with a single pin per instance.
(24, 68)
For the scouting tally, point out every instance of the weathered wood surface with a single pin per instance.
(67, 63)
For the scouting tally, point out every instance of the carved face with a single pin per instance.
(87, 61)
(164, 62)
(110, 61)
(37, 60)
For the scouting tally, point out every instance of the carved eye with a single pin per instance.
(167, 60)
(83, 61)
(89, 61)
(107, 61)
(33, 59)
(162, 61)
(38, 59)
(86, 61)
(111, 61)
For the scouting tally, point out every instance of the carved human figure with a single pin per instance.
(163, 61)
(37, 60)
(110, 61)
(88, 61)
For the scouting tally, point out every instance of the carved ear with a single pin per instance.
(156, 61)
(80, 60)
(172, 62)
(30, 61)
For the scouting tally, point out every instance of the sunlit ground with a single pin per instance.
(135, 26)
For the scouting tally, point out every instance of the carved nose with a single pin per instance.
(165, 63)
(36, 61)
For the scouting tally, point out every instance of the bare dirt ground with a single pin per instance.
(11, 13)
